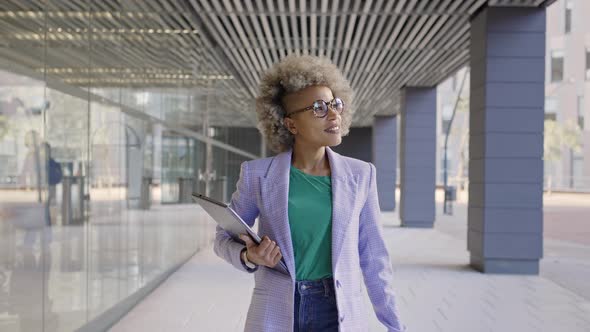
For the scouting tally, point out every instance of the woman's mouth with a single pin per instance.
(333, 130)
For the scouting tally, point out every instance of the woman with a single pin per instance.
(317, 209)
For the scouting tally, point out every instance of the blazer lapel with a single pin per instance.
(274, 188)
(344, 189)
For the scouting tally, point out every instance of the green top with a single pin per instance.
(310, 219)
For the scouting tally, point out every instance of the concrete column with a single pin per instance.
(384, 136)
(417, 156)
(505, 218)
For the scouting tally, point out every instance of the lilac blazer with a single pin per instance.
(357, 243)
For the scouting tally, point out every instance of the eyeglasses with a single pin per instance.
(320, 107)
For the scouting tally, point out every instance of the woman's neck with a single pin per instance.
(311, 160)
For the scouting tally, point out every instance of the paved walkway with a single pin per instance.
(436, 289)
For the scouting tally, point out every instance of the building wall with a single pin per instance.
(574, 89)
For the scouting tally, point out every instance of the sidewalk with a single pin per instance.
(436, 290)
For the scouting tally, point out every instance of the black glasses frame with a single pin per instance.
(331, 104)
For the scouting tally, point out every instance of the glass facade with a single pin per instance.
(95, 174)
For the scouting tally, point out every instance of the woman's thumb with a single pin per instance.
(246, 239)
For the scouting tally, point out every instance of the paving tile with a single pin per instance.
(436, 291)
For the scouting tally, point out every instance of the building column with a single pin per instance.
(417, 156)
(384, 136)
(505, 217)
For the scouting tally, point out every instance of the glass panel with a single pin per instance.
(225, 173)
(67, 131)
(107, 192)
(25, 213)
(179, 160)
(110, 137)
(25, 229)
(86, 163)
(556, 66)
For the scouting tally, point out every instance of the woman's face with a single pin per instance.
(305, 126)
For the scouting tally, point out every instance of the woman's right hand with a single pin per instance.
(266, 253)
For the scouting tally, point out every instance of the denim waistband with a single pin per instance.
(325, 285)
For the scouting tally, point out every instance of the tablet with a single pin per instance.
(231, 222)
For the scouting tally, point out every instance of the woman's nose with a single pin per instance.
(332, 112)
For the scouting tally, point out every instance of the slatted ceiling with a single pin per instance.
(354, 27)
(369, 50)
(219, 33)
(445, 33)
(362, 42)
(266, 24)
(239, 37)
(406, 73)
(255, 31)
(380, 45)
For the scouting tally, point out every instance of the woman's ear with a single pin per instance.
(290, 125)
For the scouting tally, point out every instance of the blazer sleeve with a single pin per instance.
(374, 260)
(243, 201)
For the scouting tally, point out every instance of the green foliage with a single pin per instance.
(558, 136)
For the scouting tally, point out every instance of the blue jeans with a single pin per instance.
(315, 306)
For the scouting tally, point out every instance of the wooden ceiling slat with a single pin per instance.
(286, 34)
(302, 13)
(278, 39)
(332, 29)
(356, 24)
(343, 22)
(322, 42)
(313, 29)
(294, 26)
(255, 22)
(365, 30)
(387, 39)
(250, 56)
(270, 43)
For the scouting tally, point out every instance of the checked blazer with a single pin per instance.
(358, 250)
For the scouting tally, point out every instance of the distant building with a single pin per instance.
(567, 88)
(567, 94)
